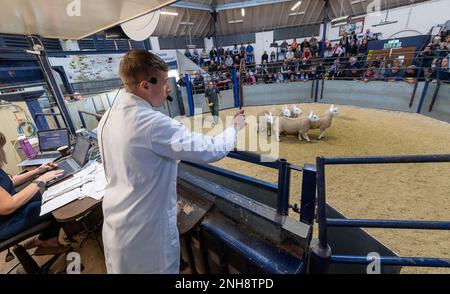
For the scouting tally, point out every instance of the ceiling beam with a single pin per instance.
(192, 5)
(245, 4)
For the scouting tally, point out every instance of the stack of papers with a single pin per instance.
(88, 182)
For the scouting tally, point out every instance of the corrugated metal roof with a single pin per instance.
(262, 17)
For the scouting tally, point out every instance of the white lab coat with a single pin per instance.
(140, 232)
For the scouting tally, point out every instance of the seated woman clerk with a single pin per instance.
(20, 211)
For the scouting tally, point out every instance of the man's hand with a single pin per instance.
(239, 120)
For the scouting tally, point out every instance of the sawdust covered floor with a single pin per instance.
(403, 191)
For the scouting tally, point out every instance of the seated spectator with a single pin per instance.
(442, 72)
(303, 75)
(337, 51)
(285, 69)
(235, 51)
(363, 48)
(188, 54)
(181, 81)
(292, 77)
(353, 37)
(273, 56)
(328, 52)
(294, 45)
(334, 70)
(368, 35)
(224, 82)
(279, 77)
(212, 67)
(250, 53)
(304, 44)
(213, 54)
(242, 49)
(196, 57)
(283, 48)
(314, 49)
(444, 49)
(204, 57)
(425, 59)
(289, 54)
(237, 61)
(269, 79)
(370, 75)
(229, 61)
(307, 54)
(343, 42)
(265, 57)
(395, 74)
(352, 69)
(411, 74)
(352, 49)
(249, 79)
(313, 39)
(199, 83)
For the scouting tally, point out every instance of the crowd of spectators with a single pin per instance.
(345, 59)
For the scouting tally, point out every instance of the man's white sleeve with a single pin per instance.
(170, 138)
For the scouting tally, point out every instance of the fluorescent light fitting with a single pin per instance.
(296, 5)
(186, 23)
(296, 13)
(169, 13)
(243, 11)
(339, 23)
(340, 18)
(383, 23)
(235, 21)
(356, 2)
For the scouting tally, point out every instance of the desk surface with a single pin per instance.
(75, 209)
(191, 209)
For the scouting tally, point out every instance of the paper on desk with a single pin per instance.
(96, 187)
(60, 201)
(88, 169)
(61, 188)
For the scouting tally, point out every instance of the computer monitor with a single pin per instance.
(80, 151)
(50, 140)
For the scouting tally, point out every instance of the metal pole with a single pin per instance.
(83, 123)
(282, 193)
(189, 94)
(46, 68)
(433, 100)
(235, 88)
(321, 202)
(55, 118)
(422, 98)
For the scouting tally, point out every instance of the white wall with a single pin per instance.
(411, 20)
(263, 41)
(154, 43)
(69, 45)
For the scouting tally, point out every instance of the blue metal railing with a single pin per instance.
(83, 122)
(284, 173)
(325, 222)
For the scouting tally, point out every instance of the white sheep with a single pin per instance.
(262, 116)
(264, 120)
(294, 126)
(295, 111)
(325, 121)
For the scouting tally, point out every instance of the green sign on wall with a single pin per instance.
(392, 44)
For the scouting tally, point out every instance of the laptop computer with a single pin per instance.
(49, 141)
(73, 163)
